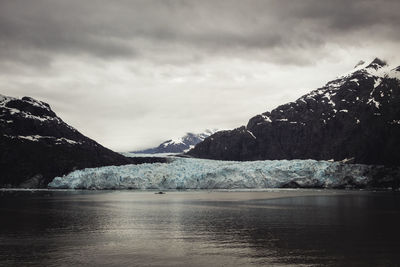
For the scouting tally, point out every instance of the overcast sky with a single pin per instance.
(131, 74)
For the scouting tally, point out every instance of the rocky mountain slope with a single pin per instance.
(36, 145)
(356, 116)
(180, 145)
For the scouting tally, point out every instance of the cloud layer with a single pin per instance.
(132, 73)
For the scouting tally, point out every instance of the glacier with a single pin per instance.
(191, 173)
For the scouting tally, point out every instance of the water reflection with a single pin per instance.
(199, 228)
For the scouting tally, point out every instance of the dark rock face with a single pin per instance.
(178, 146)
(36, 145)
(355, 116)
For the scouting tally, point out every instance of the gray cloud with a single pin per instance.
(42, 29)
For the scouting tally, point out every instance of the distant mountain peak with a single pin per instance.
(179, 145)
(361, 62)
(376, 68)
(377, 63)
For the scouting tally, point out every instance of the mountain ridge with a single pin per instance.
(356, 115)
(36, 145)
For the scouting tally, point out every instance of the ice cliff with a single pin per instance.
(188, 173)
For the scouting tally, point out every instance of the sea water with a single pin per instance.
(199, 228)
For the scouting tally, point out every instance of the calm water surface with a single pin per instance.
(200, 228)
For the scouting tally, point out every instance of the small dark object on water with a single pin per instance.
(159, 193)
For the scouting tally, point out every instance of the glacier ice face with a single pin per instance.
(189, 173)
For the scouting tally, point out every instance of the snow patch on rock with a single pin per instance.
(37, 138)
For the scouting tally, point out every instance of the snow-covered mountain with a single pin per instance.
(357, 116)
(180, 145)
(189, 173)
(36, 145)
